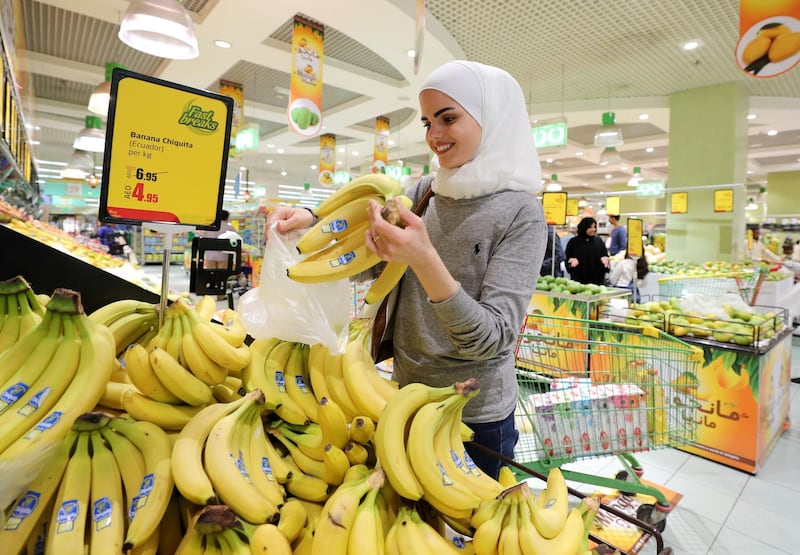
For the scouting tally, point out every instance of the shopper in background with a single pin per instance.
(619, 235)
(103, 231)
(759, 252)
(551, 265)
(623, 273)
(587, 256)
(460, 308)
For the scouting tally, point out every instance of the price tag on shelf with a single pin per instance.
(166, 153)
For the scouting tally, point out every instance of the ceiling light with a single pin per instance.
(609, 176)
(411, 53)
(341, 150)
(579, 153)
(624, 168)
(610, 156)
(98, 102)
(772, 132)
(554, 186)
(92, 138)
(222, 44)
(749, 172)
(751, 116)
(283, 173)
(609, 134)
(161, 28)
(313, 166)
(582, 203)
(78, 165)
(636, 177)
(279, 151)
(269, 161)
(690, 45)
(649, 149)
(549, 160)
(354, 153)
(644, 117)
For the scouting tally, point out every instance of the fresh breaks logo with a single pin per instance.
(198, 120)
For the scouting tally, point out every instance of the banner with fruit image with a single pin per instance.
(769, 37)
(327, 159)
(380, 155)
(744, 402)
(305, 99)
(236, 92)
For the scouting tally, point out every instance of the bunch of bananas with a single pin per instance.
(182, 369)
(336, 244)
(130, 322)
(104, 489)
(409, 534)
(20, 311)
(52, 374)
(419, 444)
(518, 522)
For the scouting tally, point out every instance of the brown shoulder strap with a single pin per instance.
(423, 202)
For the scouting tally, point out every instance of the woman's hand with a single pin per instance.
(287, 218)
(572, 262)
(604, 260)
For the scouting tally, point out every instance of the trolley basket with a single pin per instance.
(745, 283)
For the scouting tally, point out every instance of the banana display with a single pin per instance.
(336, 244)
(192, 441)
(20, 311)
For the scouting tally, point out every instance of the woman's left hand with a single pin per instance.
(604, 260)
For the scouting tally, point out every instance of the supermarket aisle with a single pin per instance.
(726, 511)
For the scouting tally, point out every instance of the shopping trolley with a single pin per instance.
(745, 283)
(590, 389)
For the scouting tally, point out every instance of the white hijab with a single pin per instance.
(506, 158)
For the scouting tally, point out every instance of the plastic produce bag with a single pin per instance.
(293, 311)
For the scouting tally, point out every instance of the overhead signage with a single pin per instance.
(612, 206)
(555, 208)
(305, 95)
(635, 233)
(650, 189)
(553, 134)
(572, 207)
(768, 31)
(166, 152)
(723, 200)
(679, 203)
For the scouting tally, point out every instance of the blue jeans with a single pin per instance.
(500, 436)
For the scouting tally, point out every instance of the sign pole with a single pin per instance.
(168, 230)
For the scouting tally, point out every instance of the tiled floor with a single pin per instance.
(723, 511)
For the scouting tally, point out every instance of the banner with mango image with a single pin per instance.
(743, 399)
(305, 97)
(769, 37)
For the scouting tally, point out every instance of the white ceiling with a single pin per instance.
(578, 58)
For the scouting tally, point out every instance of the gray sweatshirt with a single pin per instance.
(493, 246)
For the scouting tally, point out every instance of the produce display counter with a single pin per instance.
(569, 305)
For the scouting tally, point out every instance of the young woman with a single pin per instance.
(474, 254)
(587, 256)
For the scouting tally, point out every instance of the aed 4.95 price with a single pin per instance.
(138, 192)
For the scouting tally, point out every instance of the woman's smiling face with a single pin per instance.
(451, 132)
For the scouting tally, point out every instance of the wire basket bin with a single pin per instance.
(746, 283)
(590, 388)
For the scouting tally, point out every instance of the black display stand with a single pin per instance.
(47, 268)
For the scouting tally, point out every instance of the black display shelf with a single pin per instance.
(46, 268)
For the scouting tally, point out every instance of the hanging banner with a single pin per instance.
(612, 206)
(635, 232)
(236, 92)
(381, 152)
(555, 208)
(769, 43)
(305, 100)
(166, 153)
(327, 159)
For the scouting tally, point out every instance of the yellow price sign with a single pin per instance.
(612, 206)
(572, 207)
(635, 229)
(555, 208)
(679, 203)
(166, 152)
(723, 200)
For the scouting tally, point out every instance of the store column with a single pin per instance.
(782, 197)
(707, 150)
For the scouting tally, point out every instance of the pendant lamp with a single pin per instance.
(98, 102)
(609, 134)
(554, 186)
(161, 28)
(636, 178)
(610, 156)
(92, 138)
(78, 165)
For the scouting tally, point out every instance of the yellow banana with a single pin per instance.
(338, 389)
(389, 439)
(336, 464)
(349, 242)
(390, 543)
(130, 462)
(174, 342)
(309, 465)
(550, 509)
(356, 366)
(113, 311)
(487, 536)
(217, 349)
(84, 388)
(165, 416)
(292, 519)
(296, 380)
(28, 317)
(339, 223)
(410, 539)
(205, 307)
(258, 463)
(339, 267)
(113, 395)
(71, 509)
(187, 454)
(303, 485)
(136, 361)
(366, 532)
(170, 531)
(178, 380)
(275, 375)
(9, 332)
(224, 393)
(566, 541)
(356, 472)
(32, 505)
(232, 329)
(254, 376)
(389, 277)
(267, 538)
(386, 388)
(362, 429)
(196, 360)
(509, 537)
(507, 478)
(148, 507)
(316, 371)
(371, 184)
(333, 423)
(433, 539)
(107, 507)
(271, 460)
(130, 328)
(17, 354)
(356, 453)
(303, 543)
(225, 464)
